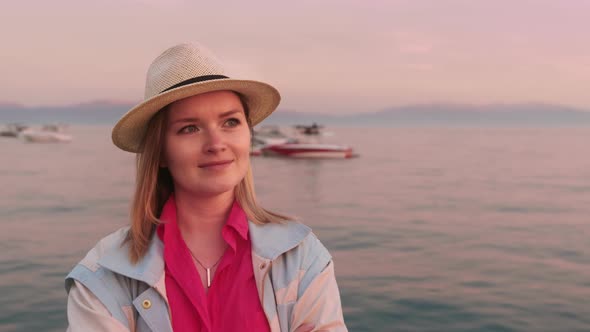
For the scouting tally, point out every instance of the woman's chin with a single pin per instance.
(213, 191)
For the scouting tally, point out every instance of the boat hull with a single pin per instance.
(41, 137)
(320, 151)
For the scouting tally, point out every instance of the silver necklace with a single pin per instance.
(208, 269)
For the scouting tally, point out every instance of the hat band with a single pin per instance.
(195, 80)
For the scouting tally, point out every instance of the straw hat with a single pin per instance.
(182, 71)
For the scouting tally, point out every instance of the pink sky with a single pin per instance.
(331, 56)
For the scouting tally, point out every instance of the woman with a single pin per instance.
(201, 254)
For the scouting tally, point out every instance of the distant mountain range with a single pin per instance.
(104, 112)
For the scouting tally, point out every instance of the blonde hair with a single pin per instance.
(154, 185)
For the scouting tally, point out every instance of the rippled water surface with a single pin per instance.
(431, 229)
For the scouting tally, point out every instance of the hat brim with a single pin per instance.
(262, 99)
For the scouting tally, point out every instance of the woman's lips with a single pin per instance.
(215, 165)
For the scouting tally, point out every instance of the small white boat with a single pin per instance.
(12, 130)
(313, 130)
(270, 134)
(309, 150)
(47, 134)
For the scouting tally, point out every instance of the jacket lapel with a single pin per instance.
(269, 241)
(272, 240)
(149, 269)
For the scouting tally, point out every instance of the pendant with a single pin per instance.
(208, 278)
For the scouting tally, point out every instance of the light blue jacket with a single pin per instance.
(294, 276)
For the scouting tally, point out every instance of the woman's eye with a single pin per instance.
(188, 129)
(232, 122)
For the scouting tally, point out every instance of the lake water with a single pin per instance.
(431, 229)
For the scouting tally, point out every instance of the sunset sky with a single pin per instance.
(329, 56)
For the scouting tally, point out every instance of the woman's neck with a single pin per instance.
(202, 217)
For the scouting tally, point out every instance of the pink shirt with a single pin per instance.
(232, 302)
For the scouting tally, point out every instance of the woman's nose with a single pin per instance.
(214, 142)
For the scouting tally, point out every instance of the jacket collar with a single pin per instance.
(269, 241)
(272, 240)
(149, 269)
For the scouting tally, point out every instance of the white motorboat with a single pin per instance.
(308, 150)
(47, 134)
(267, 135)
(305, 143)
(12, 130)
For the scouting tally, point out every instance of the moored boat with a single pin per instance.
(270, 134)
(47, 134)
(12, 130)
(308, 150)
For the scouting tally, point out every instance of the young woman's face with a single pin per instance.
(207, 143)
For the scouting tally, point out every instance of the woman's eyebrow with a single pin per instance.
(193, 119)
(185, 120)
(228, 113)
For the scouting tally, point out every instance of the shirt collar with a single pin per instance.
(237, 220)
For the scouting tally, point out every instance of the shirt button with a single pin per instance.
(146, 304)
(262, 266)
